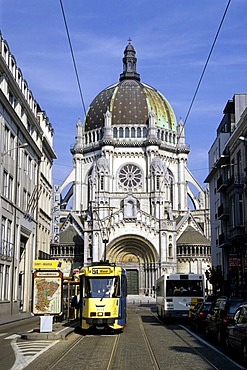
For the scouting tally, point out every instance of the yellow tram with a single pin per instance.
(103, 291)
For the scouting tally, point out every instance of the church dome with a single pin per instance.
(130, 101)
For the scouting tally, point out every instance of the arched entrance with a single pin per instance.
(140, 259)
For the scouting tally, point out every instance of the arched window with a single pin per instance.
(127, 132)
(121, 132)
(115, 132)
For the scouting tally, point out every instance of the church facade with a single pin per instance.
(131, 191)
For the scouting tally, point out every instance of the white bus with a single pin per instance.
(176, 293)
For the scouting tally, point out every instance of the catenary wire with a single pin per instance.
(73, 57)
(199, 82)
(207, 61)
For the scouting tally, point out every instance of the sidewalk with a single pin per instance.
(6, 319)
(60, 330)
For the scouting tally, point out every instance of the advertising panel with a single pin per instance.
(47, 292)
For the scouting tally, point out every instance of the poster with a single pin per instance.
(47, 292)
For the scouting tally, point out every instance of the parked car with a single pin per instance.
(222, 311)
(199, 314)
(236, 332)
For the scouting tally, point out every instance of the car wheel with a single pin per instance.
(245, 353)
(219, 337)
(228, 343)
(207, 332)
(196, 327)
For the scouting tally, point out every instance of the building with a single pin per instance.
(227, 187)
(130, 187)
(26, 154)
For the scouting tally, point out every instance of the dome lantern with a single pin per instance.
(129, 64)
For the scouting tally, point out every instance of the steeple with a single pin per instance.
(129, 64)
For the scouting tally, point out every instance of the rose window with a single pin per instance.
(130, 176)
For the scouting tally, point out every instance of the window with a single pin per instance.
(157, 182)
(1, 281)
(6, 285)
(6, 139)
(241, 210)
(130, 176)
(10, 192)
(102, 182)
(5, 184)
(8, 246)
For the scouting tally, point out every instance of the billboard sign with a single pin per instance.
(47, 292)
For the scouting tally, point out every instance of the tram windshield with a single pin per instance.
(102, 287)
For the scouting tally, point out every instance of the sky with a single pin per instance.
(172, 40)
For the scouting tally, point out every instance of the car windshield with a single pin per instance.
(233, 306)
(206, 306)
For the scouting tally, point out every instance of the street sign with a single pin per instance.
(48, 264)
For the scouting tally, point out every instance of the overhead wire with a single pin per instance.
(73, 57)
(198, 84)
(200, 80)
(207, 61)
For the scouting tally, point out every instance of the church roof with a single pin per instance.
(130, 100)
(70, 236)
(192, 237)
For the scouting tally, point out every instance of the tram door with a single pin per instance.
(132, 282)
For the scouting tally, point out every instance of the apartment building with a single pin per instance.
(227, 187)
(26, 154)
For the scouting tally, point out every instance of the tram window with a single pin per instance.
(102, 287)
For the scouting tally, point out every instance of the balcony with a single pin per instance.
(236, 232)
(223, 212)
(236, 180)
(222, 184)
(223, 240)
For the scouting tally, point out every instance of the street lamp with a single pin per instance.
(24, 145)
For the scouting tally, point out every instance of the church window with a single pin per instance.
(158, 182)
(170, 251)
(132, 132)
(115, 132)
(127, 132)
(121, 132)
(144, 132)
(101, 182)
(138, 132)
(130, 176)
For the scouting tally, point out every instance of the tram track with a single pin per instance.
(146, 343)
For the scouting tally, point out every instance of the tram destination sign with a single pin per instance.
(101, 271)
(47, 292)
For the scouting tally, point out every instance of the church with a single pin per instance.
(133, 199)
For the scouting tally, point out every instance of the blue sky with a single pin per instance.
(172, 40)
